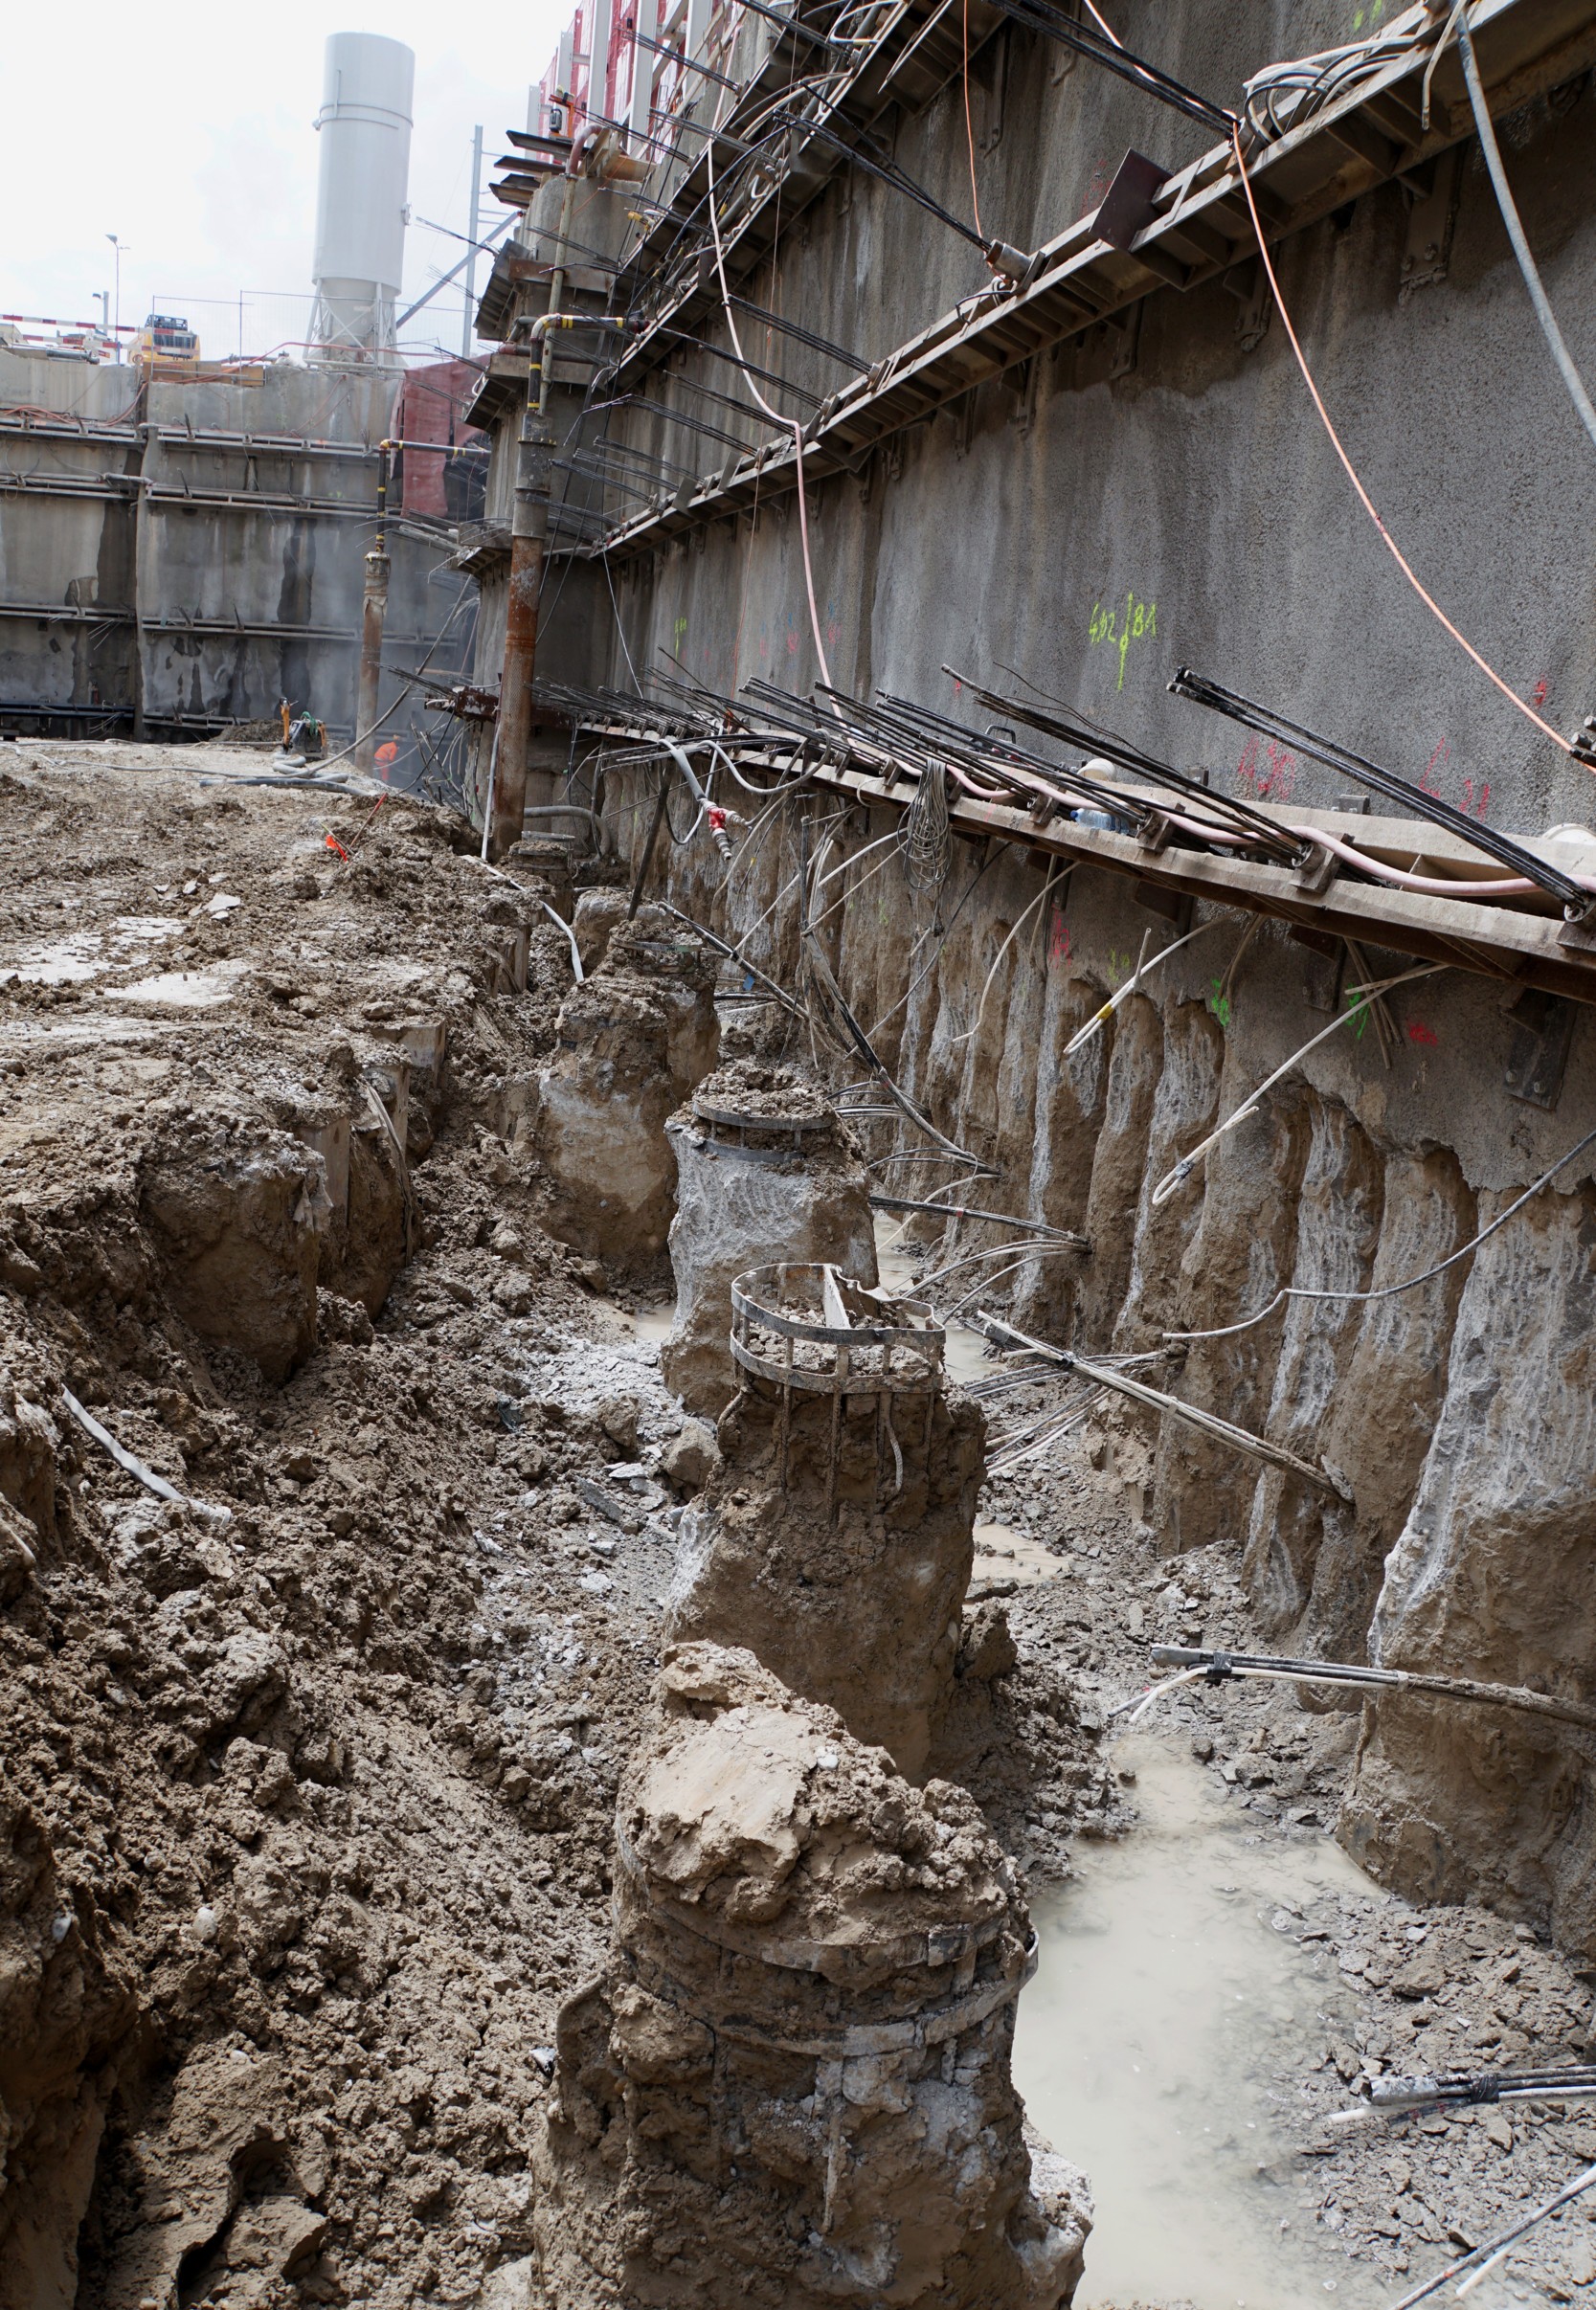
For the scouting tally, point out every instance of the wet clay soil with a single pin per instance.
(305, 1817)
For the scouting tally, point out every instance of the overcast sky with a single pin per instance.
(187, 132)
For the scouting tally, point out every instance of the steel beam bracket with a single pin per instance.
(1317, 869)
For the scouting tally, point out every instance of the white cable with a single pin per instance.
(1020, 923)
(1143, 1701)
(793, 424)
(1390, 1290)
(1183, 1168)
(1099, 1019)
(146, 1477)
(560, 923)
(1493, 151)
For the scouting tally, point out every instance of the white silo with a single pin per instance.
(361, 215)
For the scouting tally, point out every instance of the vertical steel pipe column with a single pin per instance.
(373, 614)
(529, 529)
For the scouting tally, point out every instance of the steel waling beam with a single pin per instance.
(1506, 942)
(1526, 46)
(748, 239)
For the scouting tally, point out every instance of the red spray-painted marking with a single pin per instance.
(1417, 1032)
(1058, 941)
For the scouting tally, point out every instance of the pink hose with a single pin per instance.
(1513, 886)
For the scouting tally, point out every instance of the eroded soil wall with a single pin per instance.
(1454, 1418)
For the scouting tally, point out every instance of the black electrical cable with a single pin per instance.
(1576, 901)
(1074, 31)
(750, 368)
(658, 462)
(795, 23)
(1077, 729)
(710, 392)
(804, 336)
(688, 63)
(680, 417)
(890, 173)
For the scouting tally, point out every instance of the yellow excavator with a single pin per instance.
(166, 339)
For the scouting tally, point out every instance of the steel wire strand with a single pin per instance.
(1017, 1455)
(1283, 95)
(1222, 1667)
(1021, 1259)
(926, 970)
(924, 833)
(1496, 2250)
(832, 995)
(1178, 1172)
(1409, 1283)
(775, 419)
(1020, 925)
(1556, 342)
(1563, 745)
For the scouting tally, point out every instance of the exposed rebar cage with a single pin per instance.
(771, 1138)
(805, 1326)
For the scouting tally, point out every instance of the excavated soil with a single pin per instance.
(307, 1809)
(308, 1805)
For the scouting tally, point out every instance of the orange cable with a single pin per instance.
(1368, 505)
(969, 126)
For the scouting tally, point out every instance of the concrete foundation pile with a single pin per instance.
(633, 1041)
(765, 1170)
(834, 1541)
(791, 2086)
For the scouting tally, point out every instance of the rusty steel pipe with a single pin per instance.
(528, 528)
(374, 615)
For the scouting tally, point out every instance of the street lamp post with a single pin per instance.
(116, 245)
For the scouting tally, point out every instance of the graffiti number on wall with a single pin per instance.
(1269, 772)
(1137, 621)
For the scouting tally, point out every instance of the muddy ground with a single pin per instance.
(305, 1808)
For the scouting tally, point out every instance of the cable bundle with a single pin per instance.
(927, 843)
(1283, 95)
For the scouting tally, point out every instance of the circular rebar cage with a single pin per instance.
(762, 1139)
(805, 1326)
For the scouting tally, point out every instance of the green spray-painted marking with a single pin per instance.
(1137, 621)
(1218, 1003)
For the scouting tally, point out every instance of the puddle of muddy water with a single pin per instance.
(1152, 2039)
(1003, 1554)
(651, 1324)
(964, 1356)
